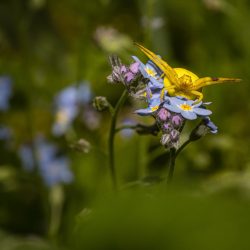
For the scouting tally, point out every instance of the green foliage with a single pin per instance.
(46, 45)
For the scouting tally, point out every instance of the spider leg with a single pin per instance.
(197, 94)
(171, 89)
(205, 81)
(167, 70)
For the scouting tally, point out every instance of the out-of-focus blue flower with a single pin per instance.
(5, 133)
(5, 92)
(187, 108)
(128, 132)
(53, 168)
(213, 128)
(63, 119)
(91, 118)
(84, 93)
(26, 155)
(67, 104)
(56, 171)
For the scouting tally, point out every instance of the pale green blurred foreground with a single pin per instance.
(165, 220)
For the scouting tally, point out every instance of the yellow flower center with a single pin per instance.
(154, 108)
(185, 107)
(62, 116)
(150, 72)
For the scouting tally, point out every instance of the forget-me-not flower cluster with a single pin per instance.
(170, 110)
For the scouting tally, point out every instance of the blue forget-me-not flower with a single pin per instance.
(5, 92)
(68, 103)
(53, 167)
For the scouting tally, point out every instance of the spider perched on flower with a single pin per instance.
(182, 82)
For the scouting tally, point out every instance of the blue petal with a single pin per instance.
(141, 67)
(172, 108)
(144, 112)
(213, 128)
(137, 60)
(189, 115)
(190, 102)
(155, 84)
(197, 104)
(154, 103)
(176, 101)
(202, 112)
(84, 93)
(156, 69)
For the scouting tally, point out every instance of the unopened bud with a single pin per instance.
(177, 121)
(163, 114)
(100, 103)
(165, 139)
(198, 132)
(175, 135)
(167, 127)
(81, 146)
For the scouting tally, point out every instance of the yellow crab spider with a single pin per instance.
(182, 82)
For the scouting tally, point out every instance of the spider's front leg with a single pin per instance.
(197, 94)
(171, 89)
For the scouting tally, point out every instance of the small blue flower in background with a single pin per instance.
(5, 92)
(5, 133)
(84, 93)
(127, 133)
(67, 106)
(26, 156)
(53, 168)
(91, 118)
(187, 108)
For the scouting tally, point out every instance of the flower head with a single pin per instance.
(53, 167)
(153, 104)
(5, 92)
(187, 108)
(5, 133)
(67, 106)
(121, 73)
(151, 72)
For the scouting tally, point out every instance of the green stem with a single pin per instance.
(141, 129)
(171, 165)
(56, 198)
(126, 127)
(182, 147)
(112, 132)
(173, 155)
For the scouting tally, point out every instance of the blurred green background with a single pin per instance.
(48, 45)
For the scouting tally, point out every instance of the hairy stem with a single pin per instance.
(112, 132)
(182, 147)
(173, 155)
(171, 164)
